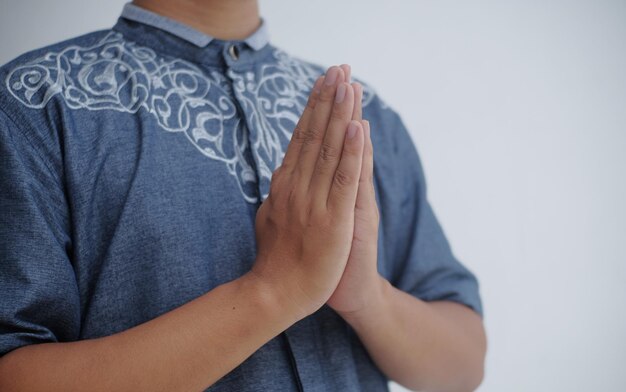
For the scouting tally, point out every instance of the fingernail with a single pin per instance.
(341, 93)
(331, 76)
(366, 128)
(352, 128)
(347, 70)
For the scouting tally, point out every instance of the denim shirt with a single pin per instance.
(132, 164)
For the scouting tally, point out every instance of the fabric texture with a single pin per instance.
(132, 163)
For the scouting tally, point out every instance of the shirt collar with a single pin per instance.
(256, 40)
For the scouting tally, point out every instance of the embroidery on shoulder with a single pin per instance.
(117, 74)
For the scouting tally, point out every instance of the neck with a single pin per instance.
(221, 19)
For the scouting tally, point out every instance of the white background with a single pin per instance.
(518, 109)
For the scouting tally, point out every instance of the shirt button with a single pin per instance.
(234, 52)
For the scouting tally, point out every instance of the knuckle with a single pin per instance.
(326, 95)
(269, 203)
(298, 134)
(352, 151)
(339, 114)
(328, 152)
(343, 179)
(280, 190)
(312, 135)
(322, 168)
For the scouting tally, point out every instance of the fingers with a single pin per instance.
(357, 114)
(366, 197)
(320, 151)
(343, 191)
(316, 129)
(347, 71)
(358, 92)
(298, 137)
(332, 145)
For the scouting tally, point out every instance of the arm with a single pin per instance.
(188, 348)
(434, 346)
(303, 241)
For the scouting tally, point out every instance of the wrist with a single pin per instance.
(274, 298)
(375, 305)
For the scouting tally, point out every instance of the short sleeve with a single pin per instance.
(423, 263)
(39, 299)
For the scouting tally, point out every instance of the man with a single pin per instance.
(184, 206)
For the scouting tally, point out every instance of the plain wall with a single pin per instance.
(518, 109)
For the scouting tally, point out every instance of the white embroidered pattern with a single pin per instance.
(117, 74)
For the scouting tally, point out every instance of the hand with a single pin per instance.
(360, 282)
(305, 226)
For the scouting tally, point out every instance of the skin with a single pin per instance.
(316, 235)
(434, 346)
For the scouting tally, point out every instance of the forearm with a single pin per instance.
(188, 348)
(436, 346)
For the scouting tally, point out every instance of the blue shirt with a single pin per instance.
(132, 164)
